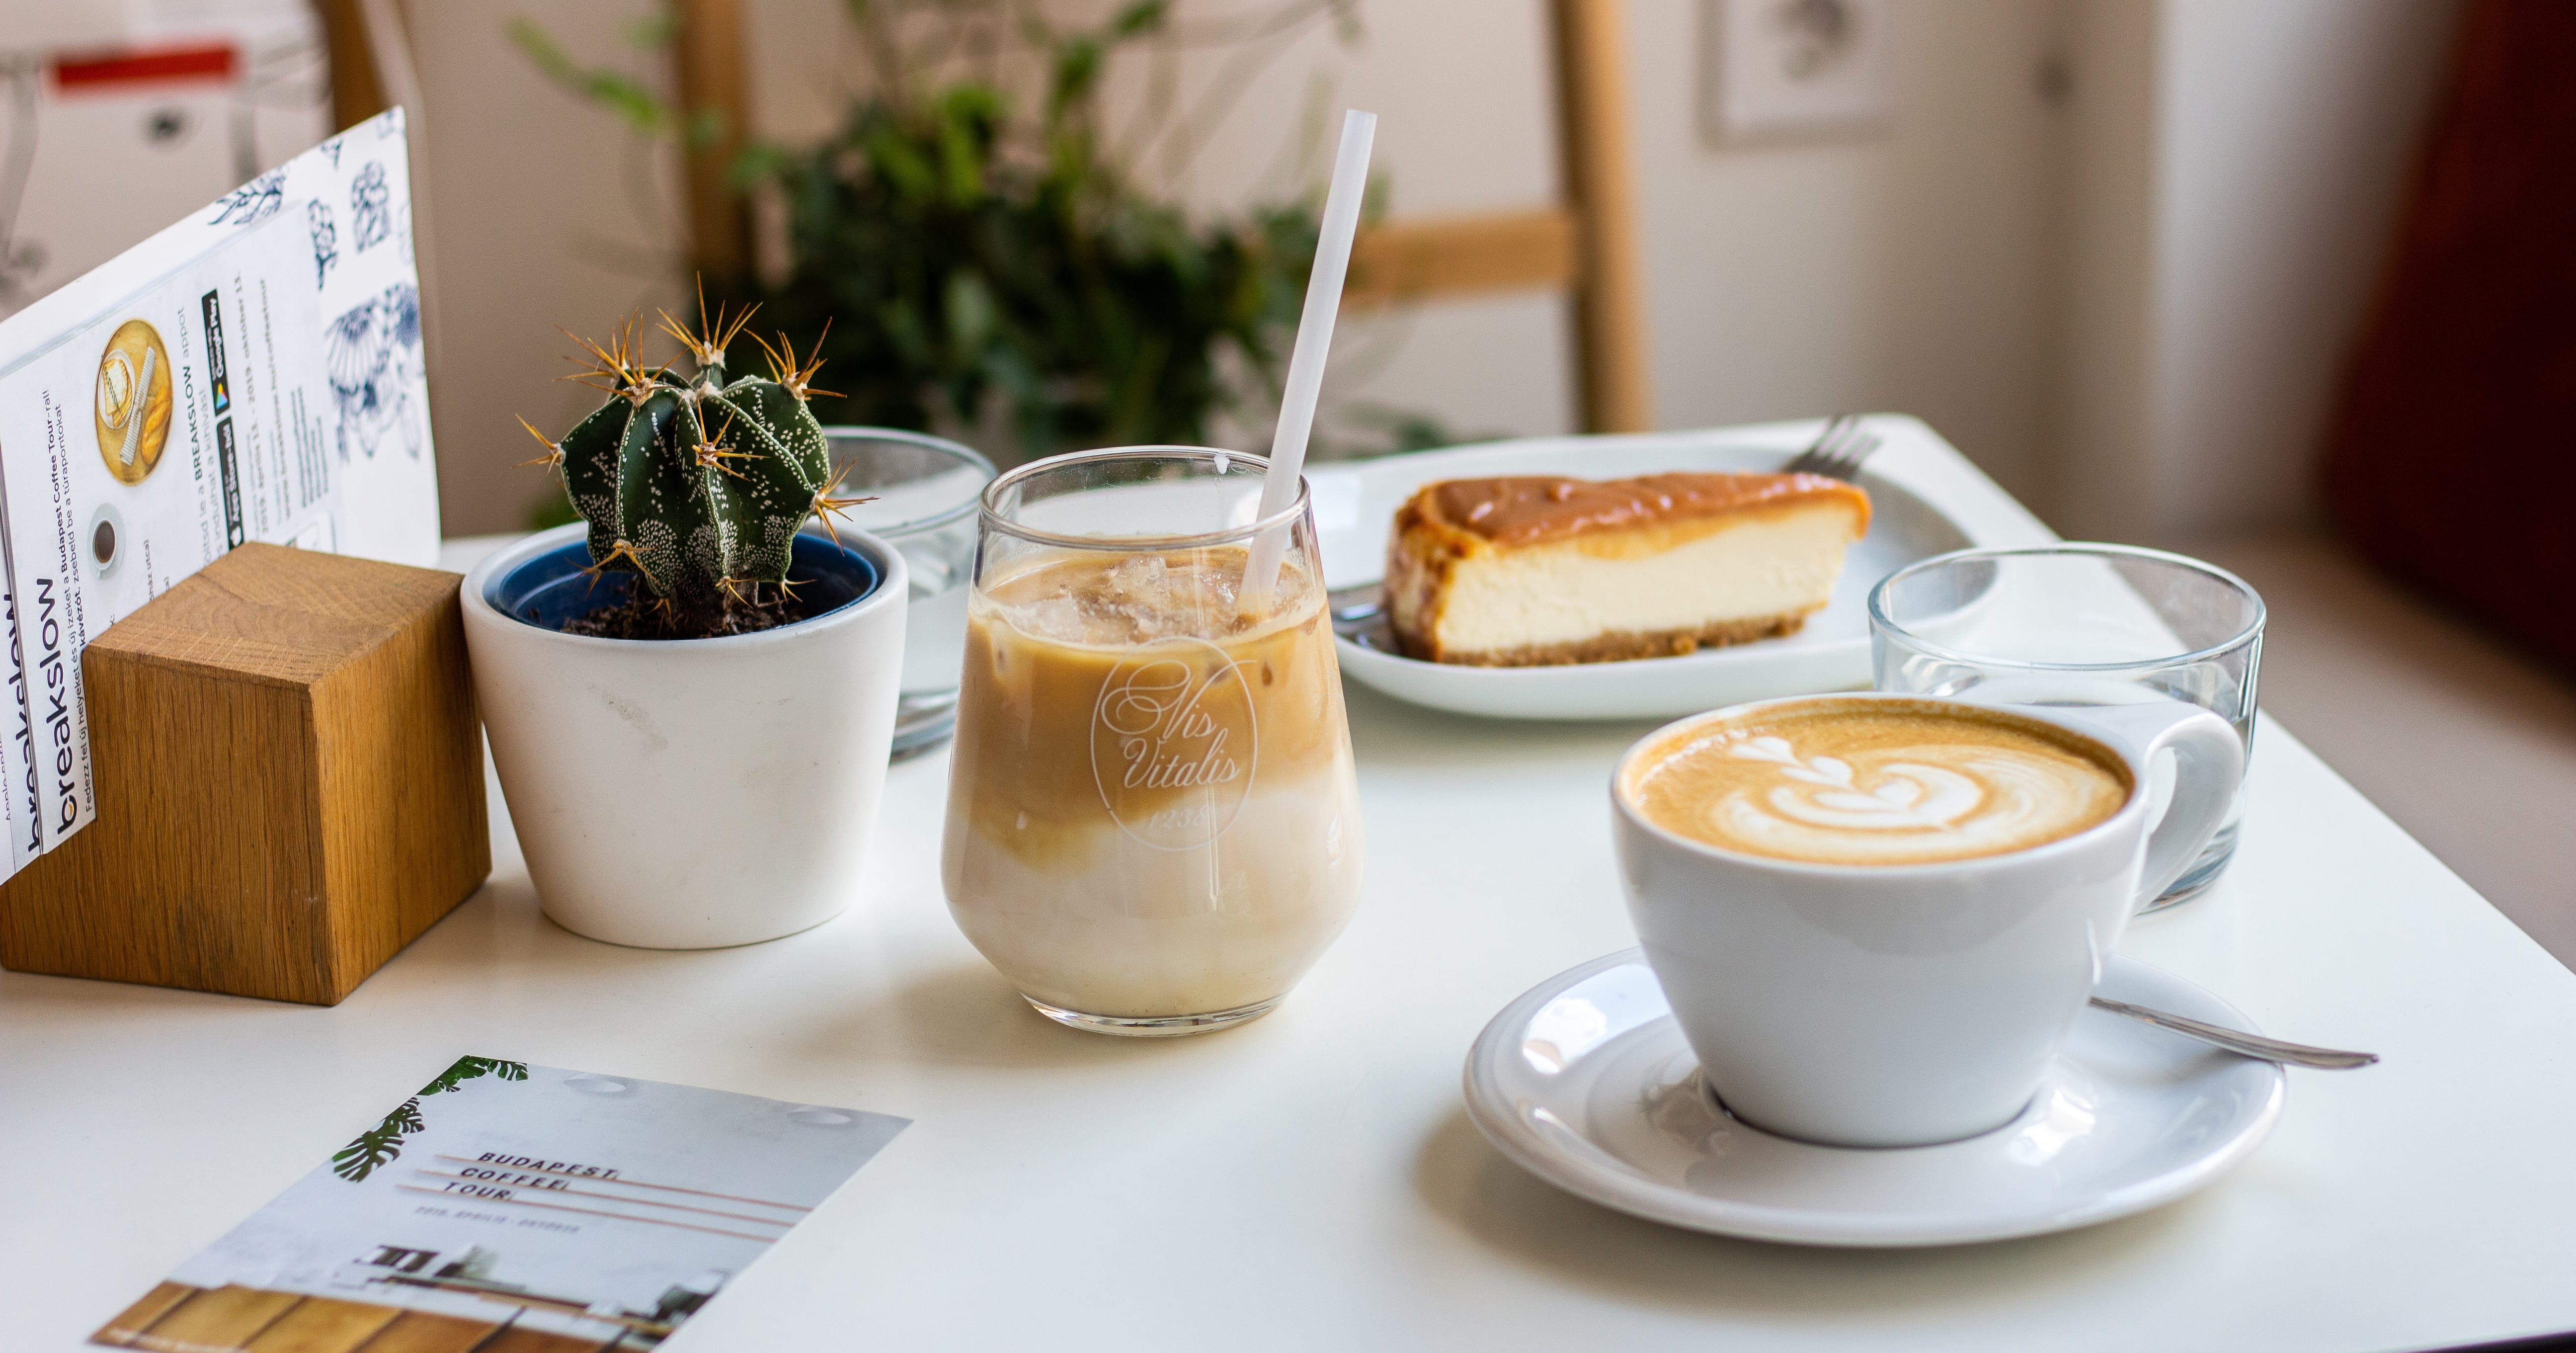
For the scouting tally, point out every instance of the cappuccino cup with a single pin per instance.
(1876, 916)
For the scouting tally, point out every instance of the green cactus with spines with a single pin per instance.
(699, 484)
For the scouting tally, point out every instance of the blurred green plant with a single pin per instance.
(950, 246)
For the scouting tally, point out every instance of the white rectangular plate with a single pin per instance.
(1926, 499)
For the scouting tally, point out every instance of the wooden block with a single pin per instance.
(290, 784)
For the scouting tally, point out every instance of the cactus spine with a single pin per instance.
(699, 484)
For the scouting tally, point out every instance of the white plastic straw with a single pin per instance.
(1306, 359)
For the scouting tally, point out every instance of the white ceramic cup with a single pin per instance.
(1901, 1005)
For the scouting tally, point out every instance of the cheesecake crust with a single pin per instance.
(1617, 646)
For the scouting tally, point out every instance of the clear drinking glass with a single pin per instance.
(1153, 821)
(924, 490)
(2078, 624)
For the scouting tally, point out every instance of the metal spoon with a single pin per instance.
(2243, 1044)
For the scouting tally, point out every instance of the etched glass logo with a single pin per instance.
(1173, 744)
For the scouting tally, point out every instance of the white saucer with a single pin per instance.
(1586, 1082)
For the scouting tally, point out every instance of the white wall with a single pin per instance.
(547, 213)
(2100, 473)
(1904, 269)
(2289, 129)
(1901, 269)
(2127, 304)
(2239, 167)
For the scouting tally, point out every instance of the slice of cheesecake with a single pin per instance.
(1534, 571)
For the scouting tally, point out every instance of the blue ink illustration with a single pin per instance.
(253, 202)
(378, 380)
(326, 239)
(369, 220)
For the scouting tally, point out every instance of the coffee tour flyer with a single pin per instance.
(254, 372)
(572, 1209)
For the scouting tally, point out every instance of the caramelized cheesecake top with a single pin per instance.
(1521, 510)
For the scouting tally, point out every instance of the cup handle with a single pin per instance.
(2209, 761)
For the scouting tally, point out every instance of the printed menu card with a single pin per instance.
(513, 1205)
(254, 372)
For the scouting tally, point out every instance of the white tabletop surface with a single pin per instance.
(1310, 1181)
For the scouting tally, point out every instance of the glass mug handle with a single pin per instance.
(2209, 760)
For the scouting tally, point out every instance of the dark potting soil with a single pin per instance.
(643, 616)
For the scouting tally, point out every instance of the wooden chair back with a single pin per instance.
(1585, 245)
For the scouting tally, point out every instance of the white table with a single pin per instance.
(1310, 1181)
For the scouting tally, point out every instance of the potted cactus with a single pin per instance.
(690, 696)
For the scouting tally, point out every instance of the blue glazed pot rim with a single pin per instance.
(543, 589)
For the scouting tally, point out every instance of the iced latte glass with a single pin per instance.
(1153, 824)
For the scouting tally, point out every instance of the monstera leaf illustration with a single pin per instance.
(381, 1144)
(377, 1145)
(472, 1068)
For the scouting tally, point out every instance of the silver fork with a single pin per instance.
(1837, 451)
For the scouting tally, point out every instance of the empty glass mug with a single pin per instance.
(2079, 624)
(922, 491)
(1153, 820)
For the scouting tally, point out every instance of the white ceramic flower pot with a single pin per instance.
(695, 793)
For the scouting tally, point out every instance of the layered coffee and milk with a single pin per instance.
(1877, 783)
(1152, 810)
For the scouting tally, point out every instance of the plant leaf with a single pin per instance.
(378, 1145)
(985, 255)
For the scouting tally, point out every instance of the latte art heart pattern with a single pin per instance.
(1876, 786)
(1909, 796)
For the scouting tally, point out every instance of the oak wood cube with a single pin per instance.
(289, 774)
